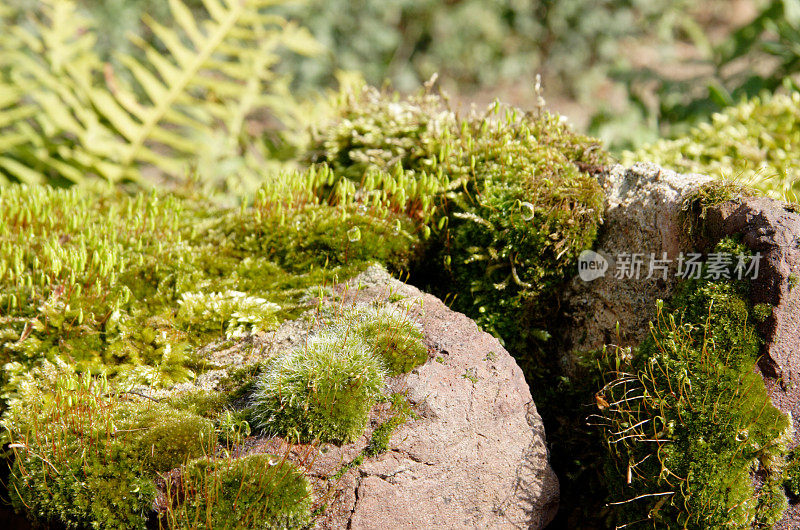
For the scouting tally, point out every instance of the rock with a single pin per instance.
(476, 455)
(643, 206)
(772, 229)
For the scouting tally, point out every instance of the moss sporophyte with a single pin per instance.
(132, 292)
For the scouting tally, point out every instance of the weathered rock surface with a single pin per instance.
(476, 455)
(642, 218)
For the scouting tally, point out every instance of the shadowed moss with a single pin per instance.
(792, 475)
(687, 419)
(696, 204)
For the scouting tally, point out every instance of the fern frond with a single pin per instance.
(167, 110)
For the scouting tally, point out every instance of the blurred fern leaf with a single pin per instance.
(182, 103)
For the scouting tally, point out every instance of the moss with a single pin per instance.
(132, 286)
(85, 456)
(508, 196)
(691, 421)
(257, 491)
(322, 391)
(391, 334)
(347, 466)
(696, 204)
(792, 475)
(752, 141)
(761, 312)
(204, 403)
(167, 438)
(73, 464)
(374, 129)
(232, 311)
(401, 412)
(240, 381)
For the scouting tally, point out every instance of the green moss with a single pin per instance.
(240, 381)
(374, 129)
(689, 419)
(696, 204)
(168, 438)
(85, 456)
(381, 437)
(508, 196)
(322, 391)
(792, 475)
(751, 141)
(391, 334)
(205, 403)
(73, 462)
(131, 286)
(257, 491)
(232, 311)
(762, 312)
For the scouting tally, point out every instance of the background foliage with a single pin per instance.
(183, 103)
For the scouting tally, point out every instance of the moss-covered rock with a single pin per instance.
(132, 285)
(689, 423)
(510, 200)
(508, 196)
(131, 288)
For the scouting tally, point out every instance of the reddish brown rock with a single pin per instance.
(772, 229)
(475, 455)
